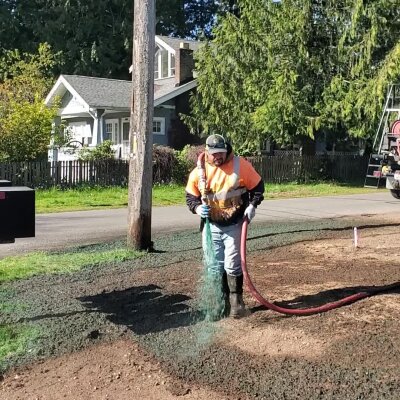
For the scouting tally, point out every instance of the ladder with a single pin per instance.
(386, 145)
(374, 177)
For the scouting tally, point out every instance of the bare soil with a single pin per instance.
(132, 331)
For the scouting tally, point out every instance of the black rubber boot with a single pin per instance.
(225, 294)
(238, 309)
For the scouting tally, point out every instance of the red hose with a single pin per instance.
(293, 311)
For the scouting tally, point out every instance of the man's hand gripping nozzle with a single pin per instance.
(204, 209)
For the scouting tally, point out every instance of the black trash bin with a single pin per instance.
(17, 213)
(4, 182)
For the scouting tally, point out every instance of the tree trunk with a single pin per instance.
(141, 127)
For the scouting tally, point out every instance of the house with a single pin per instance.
(98, 109)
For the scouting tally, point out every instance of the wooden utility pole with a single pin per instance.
(141, 127)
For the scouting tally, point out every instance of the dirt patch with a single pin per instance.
(107, 371)
(132, 330)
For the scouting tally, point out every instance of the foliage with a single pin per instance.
(25, 130)
(171, 165)
(201, 16)
(61, 134)
(290, 69)
(102, 152)
(95, 37)
(187, 159)
(11, 32)
(164, 161)
(25, 122)
(368, 60)
(39, 65)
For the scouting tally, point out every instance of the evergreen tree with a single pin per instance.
(95, 36)
(368, 60)
(8, 24)
(287, 70)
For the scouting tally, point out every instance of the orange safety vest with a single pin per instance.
(225, 186)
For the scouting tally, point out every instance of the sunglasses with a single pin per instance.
(217, 146)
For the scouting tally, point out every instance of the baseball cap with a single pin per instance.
(216, 144)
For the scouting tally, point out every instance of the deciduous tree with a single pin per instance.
(25, 121)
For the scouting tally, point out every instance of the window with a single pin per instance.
(81, 131)
(158, 126)
(112, 130)
(172, 66)
(125, 130)
(164, 63)
(125, 138)
(108, 129)
(156, 66)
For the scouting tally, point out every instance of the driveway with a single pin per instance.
(84, 227)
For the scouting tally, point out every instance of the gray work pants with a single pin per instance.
(226, 240)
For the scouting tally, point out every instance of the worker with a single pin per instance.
(226, 189)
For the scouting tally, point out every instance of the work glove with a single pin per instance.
(250, 212)
(203, 210)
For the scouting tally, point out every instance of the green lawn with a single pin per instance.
(292, 190)
(25, 266)
(53, 200)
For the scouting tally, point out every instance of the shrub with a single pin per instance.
(25, 130)
(164, 161)
(101, 152)
(173, 166)
(187, 159)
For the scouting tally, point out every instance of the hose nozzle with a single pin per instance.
(202, 178)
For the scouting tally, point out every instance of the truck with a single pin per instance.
(384, 163)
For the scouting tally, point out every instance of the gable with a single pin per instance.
(164, 60)
(71, 104)
(60, 89)
(166, 50)
(93, 92)
(173, 44)
(82, 93)
(102, 92)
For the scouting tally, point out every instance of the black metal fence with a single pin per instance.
(273, 169)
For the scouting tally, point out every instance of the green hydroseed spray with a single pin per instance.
(211, 295)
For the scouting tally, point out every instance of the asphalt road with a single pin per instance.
(84, 227)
